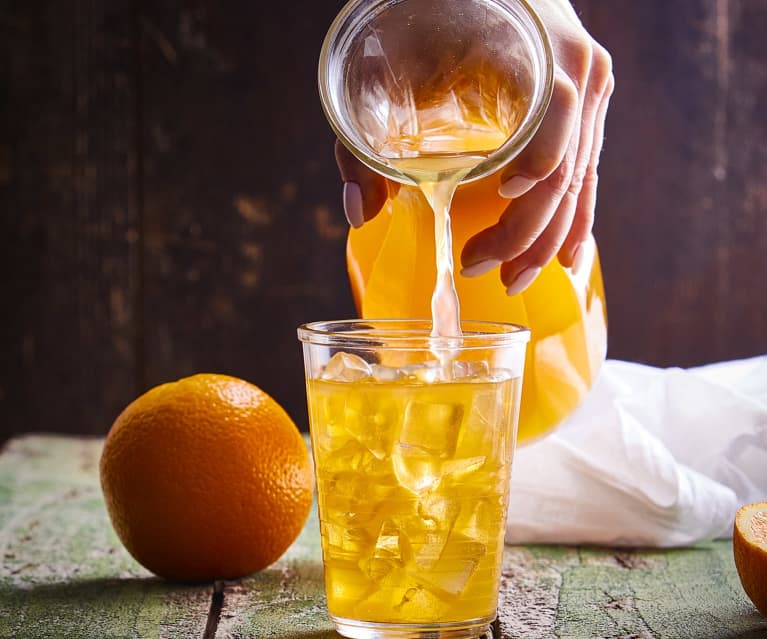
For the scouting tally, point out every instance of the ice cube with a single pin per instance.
(346, 367)
(345, 583)
(356, 492)
(428, 436)
(346, 501)
(387, 544)
(455, 567)
(386, 556)
(396, 500)
(345, 484)
(377, 569)
(431, 427)
(369, 418)
(501, 375)
(474, 370)
(440, 509)
(390, 586)
(460, 468)
(345, 542)
(484, 521)
(420, 605)
(486, 424)
(428, 372)
(424, 534)
(423, 543)
(385, 373)
(350, 455)
(416, 470)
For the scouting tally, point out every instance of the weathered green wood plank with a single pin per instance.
(285, 601)
(546, 593)
(571, 593)
(64, 573)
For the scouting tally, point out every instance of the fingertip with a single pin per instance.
(353, 209)
(369, 192)
(480, 268)
(579, 259)
(478, 250)
(515, 186)
(523, 280)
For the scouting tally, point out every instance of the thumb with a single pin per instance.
(365, 191)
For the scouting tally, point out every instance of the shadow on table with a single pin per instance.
(312, 634)
(107, 608)
(81, 600)
(759, 631)
(101, 587)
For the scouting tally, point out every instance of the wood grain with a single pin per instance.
(68, 230)
(245, 235)
(64, 573)
(682, 213)
(169, 202)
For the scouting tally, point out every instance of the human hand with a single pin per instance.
(552, 183)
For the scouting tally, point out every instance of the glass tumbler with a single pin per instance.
(412, 453)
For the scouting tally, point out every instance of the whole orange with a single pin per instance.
(206, 478)
(749, 544)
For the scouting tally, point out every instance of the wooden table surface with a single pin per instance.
(65, 574)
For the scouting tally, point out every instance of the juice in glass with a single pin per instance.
(413, 422)
(412, 459)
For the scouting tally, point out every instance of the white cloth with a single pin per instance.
(653, 457)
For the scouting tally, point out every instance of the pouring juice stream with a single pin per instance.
(413, 459)
(424, 98)
(454, 135)
(391, 267)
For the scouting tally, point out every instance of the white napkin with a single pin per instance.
(653, 457)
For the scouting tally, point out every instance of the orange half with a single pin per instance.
(749, 543)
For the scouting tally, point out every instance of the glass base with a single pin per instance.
(471, 629)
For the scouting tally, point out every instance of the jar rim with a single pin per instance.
(353, 15)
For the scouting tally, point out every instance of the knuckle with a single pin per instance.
(515, 239)
(584, 218)
(560, 180)
(577, 182)
(566, 93)
(583, 182)
(602, 64)
(578, 55)
(600, 75)
(541, 252)
(590, 180)
(545, 250)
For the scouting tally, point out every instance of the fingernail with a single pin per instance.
(524, 279)
(579, 257)
(515, 186)
(480, 268)
(353, 204)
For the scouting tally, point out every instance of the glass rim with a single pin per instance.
(495, 160)
(409, 333)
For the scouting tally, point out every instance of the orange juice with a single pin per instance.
(391, 269)
(412, 480)
(413, 421)
(449, 126)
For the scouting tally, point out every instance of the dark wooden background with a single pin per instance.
(169, 202)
